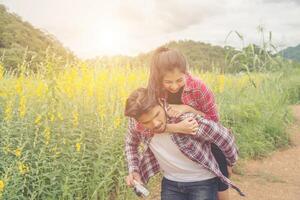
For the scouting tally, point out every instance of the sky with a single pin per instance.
(92, 28)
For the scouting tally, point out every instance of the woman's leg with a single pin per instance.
(223, 191)
(223, 195)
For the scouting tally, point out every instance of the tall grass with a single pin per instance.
(62, 132)
(62, 135)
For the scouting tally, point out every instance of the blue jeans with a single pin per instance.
(199, 190)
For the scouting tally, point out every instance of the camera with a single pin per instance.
(140, 190)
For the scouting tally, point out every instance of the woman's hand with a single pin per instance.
(177, 110)
(187, 126)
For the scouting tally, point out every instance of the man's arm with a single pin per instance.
(132, 142)
(216, 133)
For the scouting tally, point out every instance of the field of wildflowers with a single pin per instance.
(62, 133)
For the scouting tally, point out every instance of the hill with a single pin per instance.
(201, 56)
(20, 41)
(292, 53)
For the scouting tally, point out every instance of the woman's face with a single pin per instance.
(173, 80)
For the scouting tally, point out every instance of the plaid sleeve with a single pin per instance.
(132, 142)
(206, 103)
(217, 134)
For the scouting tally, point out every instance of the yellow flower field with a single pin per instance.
(62, 134)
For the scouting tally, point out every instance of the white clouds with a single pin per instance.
(133, 26)
(166, 16)
(282, 1)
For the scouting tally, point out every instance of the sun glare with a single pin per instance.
(107, 37)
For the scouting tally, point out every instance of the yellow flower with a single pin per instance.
(38, 119)
(22, 106)
(23, 169)
(117, 122)
(18, 152)
(2, 185)
(221, 83)
(41, 89)
(55, 151)
(47, 134)
(59, 116)
(8, 111)
(19, 86)
(51, 117)
(3, 93)
(78, 146)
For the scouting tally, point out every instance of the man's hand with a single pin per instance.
(133, 176)
(187, 126)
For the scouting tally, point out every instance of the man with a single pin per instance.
(186, 161)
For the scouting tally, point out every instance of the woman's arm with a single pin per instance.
(186, 127)
(186, 108)
(219, 135)
(175, 110)
(213, 132)
(205, 102)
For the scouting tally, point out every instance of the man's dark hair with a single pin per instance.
(138, 103)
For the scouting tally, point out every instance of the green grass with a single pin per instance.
(57, 170)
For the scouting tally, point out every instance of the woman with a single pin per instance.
(169, 79)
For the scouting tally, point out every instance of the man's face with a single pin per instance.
(155, 119)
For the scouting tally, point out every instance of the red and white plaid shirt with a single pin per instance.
(197, 95)
(195, 147)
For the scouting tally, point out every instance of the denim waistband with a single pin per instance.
(203, 182)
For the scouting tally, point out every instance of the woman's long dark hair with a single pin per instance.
(163, 60)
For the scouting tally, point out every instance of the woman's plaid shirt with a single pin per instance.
(197, 95)
(196, 147)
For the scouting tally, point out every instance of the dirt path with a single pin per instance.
(274, 178)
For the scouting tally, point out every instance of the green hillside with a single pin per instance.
(292, 53)
(20, 41)
(200, 56)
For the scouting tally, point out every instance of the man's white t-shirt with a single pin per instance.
(174, 164)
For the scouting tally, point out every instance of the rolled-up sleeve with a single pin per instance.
(216, 133)
(132, 141)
